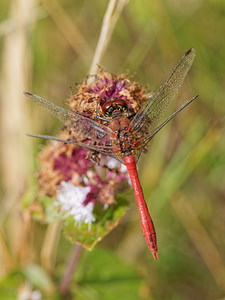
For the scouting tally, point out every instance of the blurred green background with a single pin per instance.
(47, 47)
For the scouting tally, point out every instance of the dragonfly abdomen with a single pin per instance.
(145, 218)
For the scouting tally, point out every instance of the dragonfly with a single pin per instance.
(126, 133)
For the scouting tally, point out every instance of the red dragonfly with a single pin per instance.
(123, 139)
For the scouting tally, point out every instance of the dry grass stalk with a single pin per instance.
(15, 149)
(111, 16)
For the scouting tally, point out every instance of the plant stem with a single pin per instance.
(71, 265)
(111, 16)
(103, 36)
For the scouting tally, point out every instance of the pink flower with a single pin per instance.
(106, 89)
(76, 162)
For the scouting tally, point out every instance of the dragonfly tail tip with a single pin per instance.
(155, 255)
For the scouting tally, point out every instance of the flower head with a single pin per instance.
(105, 87)
(78, 183)
(66, 173)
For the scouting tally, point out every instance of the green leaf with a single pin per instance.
(106, 220)
(102, 275)
(43, 209)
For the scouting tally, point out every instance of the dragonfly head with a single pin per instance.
(115, 106)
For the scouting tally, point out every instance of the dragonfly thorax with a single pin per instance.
(122, 137)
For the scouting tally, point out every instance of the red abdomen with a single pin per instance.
(145, 218)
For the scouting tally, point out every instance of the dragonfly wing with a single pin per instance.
(164, 95)
(147, 138)
(84, 126)
(106, 150)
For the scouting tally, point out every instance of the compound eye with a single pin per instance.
(106, 106)
(121, 103)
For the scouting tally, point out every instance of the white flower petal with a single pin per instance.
(71, 199)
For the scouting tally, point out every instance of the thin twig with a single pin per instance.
(103, 36)
(71, 266)
(115, 16)
(109, 21)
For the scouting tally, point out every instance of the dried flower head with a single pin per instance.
(104, 87)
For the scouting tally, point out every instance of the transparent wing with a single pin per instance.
(103, 149)
(142, 142)
(106, 150)
(164, 95)
(84, 126)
